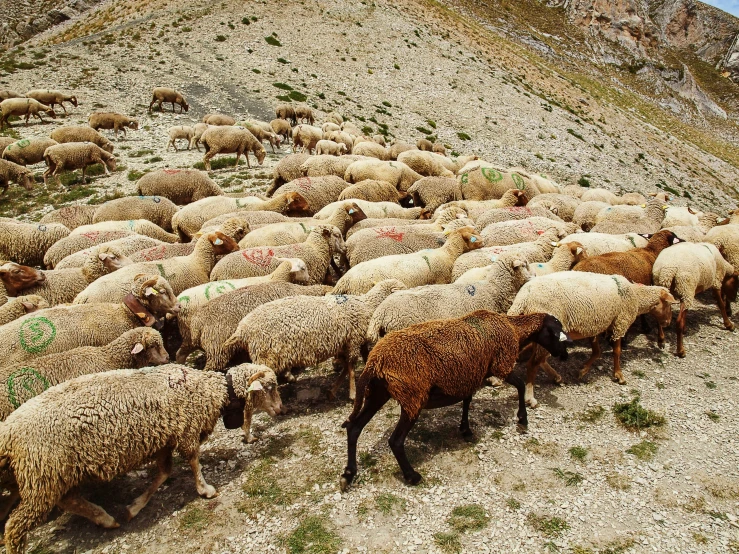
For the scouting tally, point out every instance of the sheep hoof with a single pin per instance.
(251, 439)
(661, 344)
(209, 491)
(730, 327)
(522, 427)
(681, 354)
(619, 379)
(413, 478)
(346, 479)
(468, 435)
(532, 403)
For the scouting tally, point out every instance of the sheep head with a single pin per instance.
(149, 348)
(260, 153)
(134, 125)
(26, 180)
(661, 308)
(112, 258)
(355, 212)
(298, 270)
(577, 251)
(251, 388)
(155, 294)
(296, 203)
(729, 287)
(222, 243)
(551, 336)
(18, 277)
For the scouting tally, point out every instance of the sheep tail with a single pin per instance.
(362, 383)
(234, 345)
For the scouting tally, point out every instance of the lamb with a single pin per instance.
(27, 152)
(304, 113)
(76, 155)
(527, 230)
(112, 120)
(432, 192)
(139, 226)
(65, 327)
(306, 138)
(44, 477)
(566, 255)
(139, 347)
(397, 147)
(370, 149)
(424, 145)
(181, 186)
(342, 137)
(230, 140)
(180, 132)
(198, 130)
(439, 148)
(181, 272)
(329, 127)
(586, 213)
(23, 107)
(601, 243)
(513, 213)
(60, 286)
(370, 190)
(427, 267)
(487, 183)
(27, 243)
(6, 93)
(72, 244)
(403, 309)
(130, 246)
(561, 204)
(628, 219)
(81, 133)
(330, 148)
(19, 306)
(286, 170)
(52, 97)
(163, 94)
(301, 331)
(376, 209)
(319, 166)
(439, 363)
(286, 112)
(689, 268)
(218, 119)
(282, 128)
(588, 304)
(476, 208)
(396, 173)
(156, 209)
(424, 163)
(12, 172)
(319, 192)
(263, 131)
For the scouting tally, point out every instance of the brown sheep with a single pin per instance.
(10, 171)
(231, 140)
(23, 106)
(111, 120)
(304, 113)
(287, 112)
(282, 128)
(443, 362)
(163, 94)
(76, 155)
(52, 97)
(425, 144)
(218, 119)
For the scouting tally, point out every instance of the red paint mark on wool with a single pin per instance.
(518, 210)
(303, 183)
(155, 253)
(390, 233)
(92, 235)
(259, 256)
(171, 171)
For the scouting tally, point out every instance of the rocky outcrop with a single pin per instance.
(28, 18)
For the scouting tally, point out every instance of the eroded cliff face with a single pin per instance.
(624, 21)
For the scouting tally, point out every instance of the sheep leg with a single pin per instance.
(28, 116)
(722, 306)
(397, 445)
(238, 155)
(73, 503)
(681, 320)
(203, 488)
(660, 335)
(84, 181)
(9, 502)
(464, 426)
(344, 363)
(516, 381)
(206, 159)
(27, 515)
(151, 104)
(164, 466)
(617, 375)
(595, 345)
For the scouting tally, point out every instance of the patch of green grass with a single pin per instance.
(221, 38)
(297, 96)
(583, 181)
(283, 86)
(470, 517)
(513, 504)
(710, 384)
(700, 539)
(633, 416)
(312, 536)
(718, 515)
(570, 478)
(448, 542)
(220, 163)
(272, 40)
(386, 501)
(463, 136)
(153, 159)
(196, 518)
(551, 527)
(135, 175)
(578, 453)
(423, 130)
(713, 416)
(285, 62)
(575, 134)
(645, 450)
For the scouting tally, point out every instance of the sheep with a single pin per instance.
(513, 213)
(397, 147)
(5, 142)
(379, 139)
(574, 190)
(198, 130)
(27, 152)
(161, 251)
(27, 243)
(181, 186)
(441, 217)
(65, 327)
(191, 218)
(181, 272)
(370, 150)
(561, 204)
(23, 107)
(163, 94)
(316, 251)
(632, 199)
(139, 347)
(112, 120)
(52, 97)
(375, 209)
(487, 183)
(319, 166)
(680, 216)
(370, 190)
(403, 309)
(329, 127)
(689, 268)
(476, 208)
(139, 226)
(723, 237)
(600, 195)
(76, 155)
(172, 408)
(439, 363)
(306, 138)
(180, 132)
(319, 192)
(12, 172)
(424, 145)
(342, 137)
(628, 219)
(330, 148)
(230, 140)
(601, 243)
(566, 255)
(218, 119)
(351, 128)
(72, 244)
(588, 304)
(424, 163)
(304, 113)
(286, 170)
(81, 133)
(286, 112)
(396, 173)
(526, 230)
(282, 128)
(19, 306)
(334, 117)
(585, 213)
(263, 131)
(156, 209)
(697, 233)
(6, 93)
(60, 286)
(427, 267)
(71, 216)
(236, 226)
(432, 192)
(439, 148)
(130, 246)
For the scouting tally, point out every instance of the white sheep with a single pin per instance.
(27, 151)
(76, 155)
(23, 107)
(231, 140)
(330, 147)
(180, 132)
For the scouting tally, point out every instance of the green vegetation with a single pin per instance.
(387, 501)
(470, 517)
(134, 175)
(423, 130)
(448, 542)
(578, 453)
(575, 134)
(297, 96)
(633, 416)
(713, 416)
(551, 527)
(196, 518)
(272, 40)
(220, 163)
(221, 38)
(513, 504)
(282, 86)
(312, 536)
(570, 478)
(645, 450)
(464, 136)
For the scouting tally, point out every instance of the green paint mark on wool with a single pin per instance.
(518, 180)
(221, 287)
(465, 178)
(305, 229)
(476, 324)
(36, 334)
(426, 259)
(25, 378)
(621, 291)
(631, 240)
(160, 267)
(492, 175)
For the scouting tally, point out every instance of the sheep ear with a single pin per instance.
(461, 216)
(151, 291)
(517, 263)
(643, 206)
(137, 348)
(102, 256)
(691, 210)
(27, 305)
(578, 251)
(562, 337)
(255, 386)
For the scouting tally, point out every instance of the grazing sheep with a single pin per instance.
(231, 140)
(439, 363)
(588, 304)
(316, 251)
(27, 243)
(282, 128)
(425, 145)
(476, 208)
(525, 230)
(72, 244)
(439, 148)
(396, 173)
(181, 186)
(329, 127)
(487, 183)
(76, 155)
(156, 209)
(301, 331)
(586, 213)
(139, 347)
(139, 226)
(52, 97)
(81, 133)
(65, 327)
(342, 137)
(330, 148)
(512, 213)
(304, 113)
(286, 112)
(163, 94)
(376, 209)
(23, 107)
(198, 130)
(218, 119)
(6, 93)
(71, 216)
(424, 163)
(561, 204)
(397, 147)
(172, 408)
(60, 286)
(687, 269)
(27, 151)
(379, 139)
(263, 131)
(427, 267)
(286, 170)
(19, 306)
(319, 192)
(564, 257)
(370, 149)
(130, 246)
(178, 132)
(432, 192)
(631, 219)
(12, 172)
(181, 272)
(112, 120)
(319, 166)
(306, 138)
(370, 190)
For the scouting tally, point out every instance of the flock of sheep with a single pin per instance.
(439, 273)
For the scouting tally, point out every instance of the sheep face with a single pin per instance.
(73, 100)
(17, 277)
(472, 240)
(552, 337)
(296, 203)
(26, 180)
(156, 295)
(133, 125)
(298, 271)
(260, 153)
(662, 311)
(222, 244)
(50, 113)
(113, 261)
(110, 163)
(426, 214)
(729, 287)
(266, 395)
(150, 349)
(356, 213)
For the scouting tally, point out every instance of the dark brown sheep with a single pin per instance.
(439, 363)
